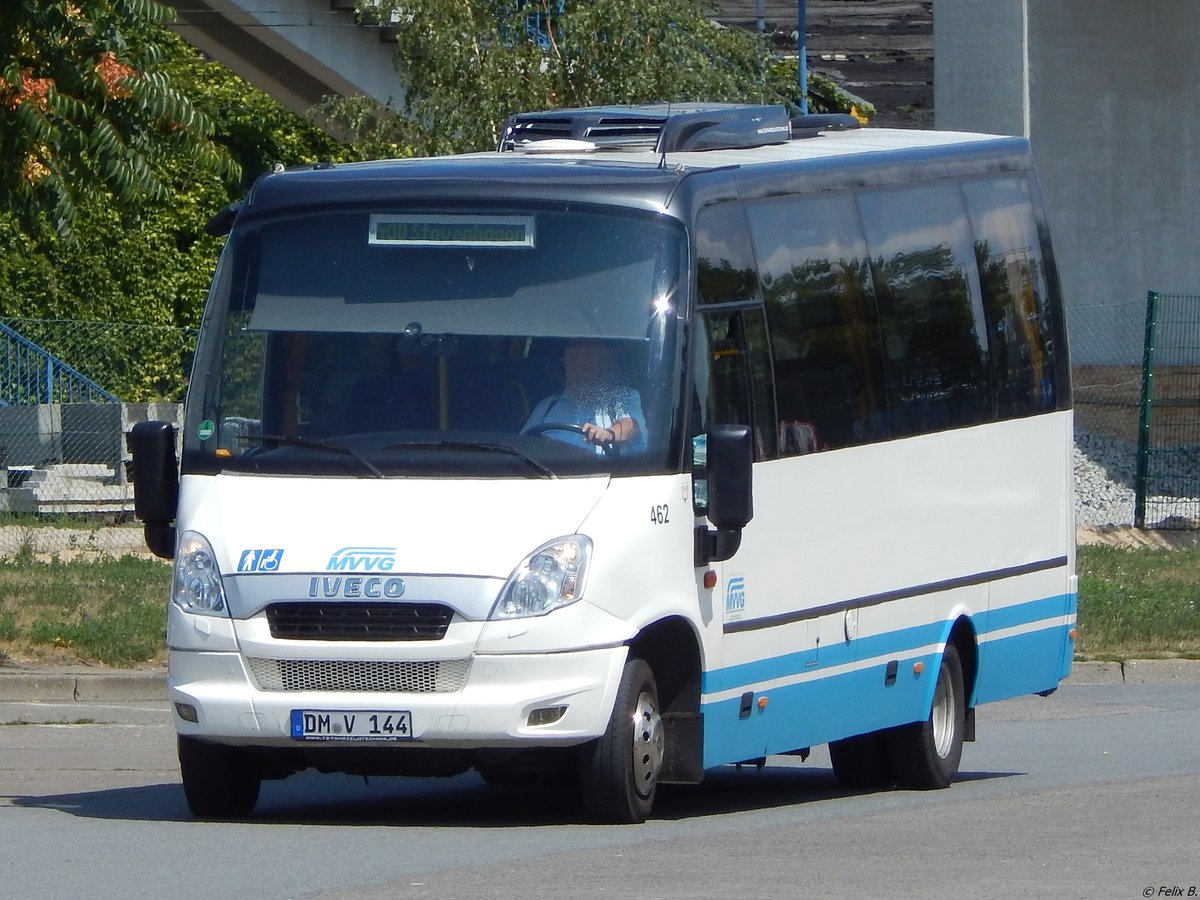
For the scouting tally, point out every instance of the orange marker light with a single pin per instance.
(762, 703)
(710, 579)
(223, 453)
(918, 668)
(1071, 634)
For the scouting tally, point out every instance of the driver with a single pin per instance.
(597, 399)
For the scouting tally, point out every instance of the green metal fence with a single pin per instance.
(1168, 452)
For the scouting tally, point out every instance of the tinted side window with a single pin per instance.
(931, 317)
(1013, 283)
(824, 330)
(733, 363)
(725, 261)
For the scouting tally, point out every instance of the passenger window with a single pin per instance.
(930, 312)
(733, 344)
(824, 330)
(1012, 279)
(731, 371)
(725, 260)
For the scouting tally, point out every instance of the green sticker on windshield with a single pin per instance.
(206, 430)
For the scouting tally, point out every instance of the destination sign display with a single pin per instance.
(452, 231)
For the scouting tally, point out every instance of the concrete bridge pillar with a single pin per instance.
(1106, 91)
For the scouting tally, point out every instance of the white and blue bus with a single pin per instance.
(662, 439)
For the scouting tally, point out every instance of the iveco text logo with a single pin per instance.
(372, 587)
(363, 559)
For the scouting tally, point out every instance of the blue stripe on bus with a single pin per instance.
(833, 706)
(812, 712)
(1020, 614)
(891, 643)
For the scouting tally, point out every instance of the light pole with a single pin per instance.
(802, 54)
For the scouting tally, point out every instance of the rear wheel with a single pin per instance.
(619, 772)
(219, 782)
(926, 754)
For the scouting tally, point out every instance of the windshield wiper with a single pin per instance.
(485, 446)
(285, 441)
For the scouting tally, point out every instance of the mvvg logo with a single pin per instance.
(363, 559)
(735, 594)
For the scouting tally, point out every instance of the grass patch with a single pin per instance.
(106, 610)
(1138, 604)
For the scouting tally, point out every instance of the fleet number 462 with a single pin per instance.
(660, 515)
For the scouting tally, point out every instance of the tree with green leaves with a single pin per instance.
(147, 262)
(469, 64)
(87, 113)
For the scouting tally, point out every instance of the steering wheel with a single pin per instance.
(543, 427)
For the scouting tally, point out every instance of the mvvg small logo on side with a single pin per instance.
(735, 595)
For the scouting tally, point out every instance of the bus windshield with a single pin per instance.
(533, 342)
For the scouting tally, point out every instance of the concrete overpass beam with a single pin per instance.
(297, 51)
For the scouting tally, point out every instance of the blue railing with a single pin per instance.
(31, 374)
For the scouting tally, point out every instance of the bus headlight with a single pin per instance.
(550, 577)
(196, 587)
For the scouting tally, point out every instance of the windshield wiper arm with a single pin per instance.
(285, 441)
(485, 446)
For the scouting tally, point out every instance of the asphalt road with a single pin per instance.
(1094, 792)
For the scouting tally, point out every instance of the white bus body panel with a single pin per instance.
(897, 540)
(452, 541)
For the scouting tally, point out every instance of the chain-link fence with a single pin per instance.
(69, 393)
(132, 363)
(1106, 352)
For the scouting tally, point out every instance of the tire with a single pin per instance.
(219, 782)
(926, 755)
(619, 772)
(862, 763)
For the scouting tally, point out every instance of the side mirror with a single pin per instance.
(730, 465)
(155, 483)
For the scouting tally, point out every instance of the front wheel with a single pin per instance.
(619, 772)
(925, 755)
(219, 782)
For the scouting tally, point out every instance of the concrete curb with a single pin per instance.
(82, 685)
(31, 685)
(1137, 671)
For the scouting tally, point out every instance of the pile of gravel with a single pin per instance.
(1105, 475)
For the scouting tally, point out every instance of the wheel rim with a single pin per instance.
(648, 744)
(941, 718)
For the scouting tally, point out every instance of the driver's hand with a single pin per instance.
(596, 434)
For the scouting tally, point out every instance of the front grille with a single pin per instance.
(344, 621)
(421, 677)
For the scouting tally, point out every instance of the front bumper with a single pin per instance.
(490, 709)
